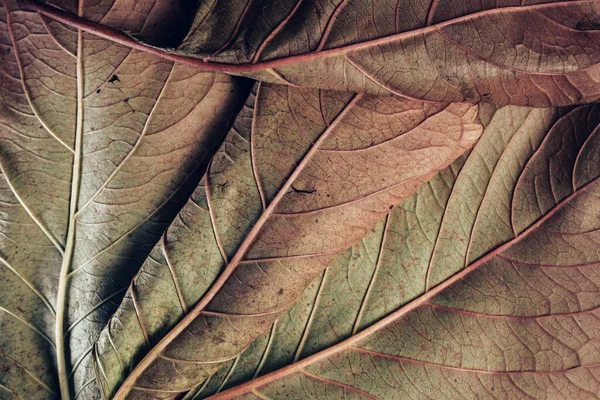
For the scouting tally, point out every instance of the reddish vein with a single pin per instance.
(275, 31)
(332, 19)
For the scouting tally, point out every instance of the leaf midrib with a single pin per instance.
(62, 292)
(66, 251)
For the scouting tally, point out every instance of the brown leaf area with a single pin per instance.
(292, 186)
(96, 143)
(405, 207)
(495, 294)
(506, 52)
(537, 54)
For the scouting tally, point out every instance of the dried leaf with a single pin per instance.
(486, 284)
(95, 142)
(536, 53)
(302, 176)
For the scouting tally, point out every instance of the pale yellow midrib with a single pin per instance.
(59, 332)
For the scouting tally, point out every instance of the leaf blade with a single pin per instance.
(535, 54)
(464, 331)
(286, 240)
(100, 218)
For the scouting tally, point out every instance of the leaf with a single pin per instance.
(301, 177)
(486, 284)
(542, 53)
(95, 142)
(388, 267)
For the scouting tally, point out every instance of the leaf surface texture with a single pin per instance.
(95, 142)
(484, 283)
(302, 176)
(530, 53)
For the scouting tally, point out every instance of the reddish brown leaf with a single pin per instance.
(486, 284)
(542, 53)
(301, 177)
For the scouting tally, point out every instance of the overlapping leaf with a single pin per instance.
(486, 284)
(536, 53)
(389, 266)
(301, 177)
(95, 140)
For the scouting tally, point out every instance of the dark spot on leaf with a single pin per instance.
(98, 91)
(303, 191)
(391, 207)
(126, 99)
(587, 25)
(280, 292)
(113, 79)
